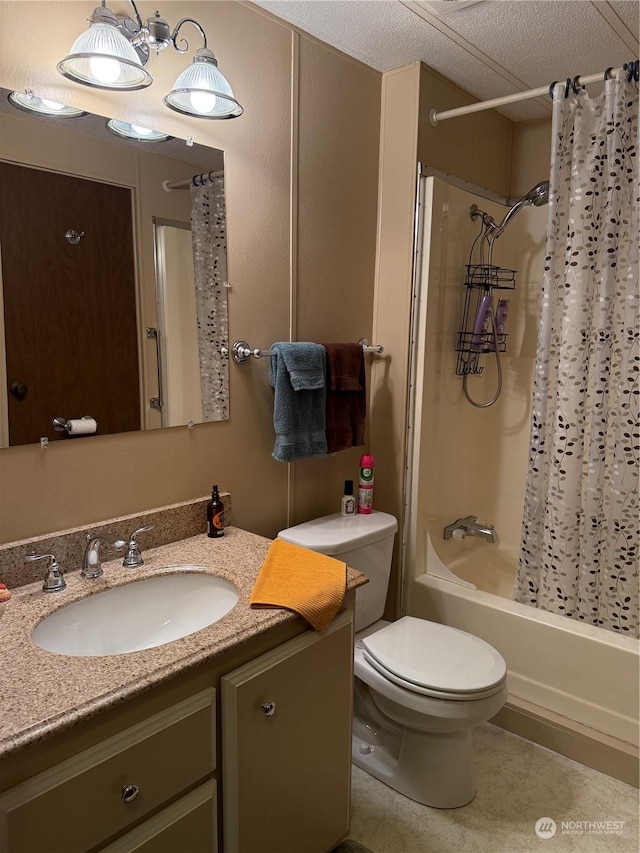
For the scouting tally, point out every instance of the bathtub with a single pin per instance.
(564, 669)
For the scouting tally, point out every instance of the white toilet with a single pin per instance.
(420, 687)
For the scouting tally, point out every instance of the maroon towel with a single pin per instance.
(346, 406)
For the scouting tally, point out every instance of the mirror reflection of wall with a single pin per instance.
(83, 148)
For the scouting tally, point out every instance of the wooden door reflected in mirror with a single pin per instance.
(69, 304)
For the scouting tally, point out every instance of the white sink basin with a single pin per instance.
(138, 615)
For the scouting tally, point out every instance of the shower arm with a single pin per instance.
(537, 196)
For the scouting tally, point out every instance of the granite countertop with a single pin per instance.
(42, 693)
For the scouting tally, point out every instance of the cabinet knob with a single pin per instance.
(129, 793)
(268, 708)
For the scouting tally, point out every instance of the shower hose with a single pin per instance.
(498, 367)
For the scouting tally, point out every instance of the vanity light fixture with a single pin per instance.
(112, 54)
(136, 131)
(203, 91)
(42, 106)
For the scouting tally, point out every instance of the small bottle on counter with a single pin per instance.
(215, 515)
(348, 500)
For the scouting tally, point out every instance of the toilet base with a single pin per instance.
(435, 769)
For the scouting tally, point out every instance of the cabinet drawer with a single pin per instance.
(79, 803)
(190, 824)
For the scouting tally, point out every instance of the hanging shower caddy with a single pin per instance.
(483, 324)
(479, 279)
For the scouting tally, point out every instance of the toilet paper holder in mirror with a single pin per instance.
(86, 425)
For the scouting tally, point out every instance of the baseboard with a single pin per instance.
(592, 748)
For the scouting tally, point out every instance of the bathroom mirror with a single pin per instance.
(100, 299)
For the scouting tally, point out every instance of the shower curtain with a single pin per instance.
(209, 237)
(579, 554)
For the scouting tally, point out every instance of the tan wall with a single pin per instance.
(301, 180)
(474, 148)
(530, 155)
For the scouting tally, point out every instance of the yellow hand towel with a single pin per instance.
(298, 579)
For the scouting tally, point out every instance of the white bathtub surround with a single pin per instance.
(466, 461)
(580, 540)
(518, 783)
(572, 686)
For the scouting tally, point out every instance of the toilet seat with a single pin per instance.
(435, 660)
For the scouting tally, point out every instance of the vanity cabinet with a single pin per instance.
(146, 777)
(286, 745)
(103, 790)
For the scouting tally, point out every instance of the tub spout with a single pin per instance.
(469, 526)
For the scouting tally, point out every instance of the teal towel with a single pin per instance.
(297, 373)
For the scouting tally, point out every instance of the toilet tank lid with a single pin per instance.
(335, 534)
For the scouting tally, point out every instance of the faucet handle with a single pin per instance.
(133, 557)
(53, 580)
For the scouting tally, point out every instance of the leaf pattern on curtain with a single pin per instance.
(209, 236)
(579, 555)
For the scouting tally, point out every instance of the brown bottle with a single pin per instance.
(215, 515)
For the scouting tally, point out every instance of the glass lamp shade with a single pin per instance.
(202, 91)
(43, 106)
(103, 58)
(135, 131)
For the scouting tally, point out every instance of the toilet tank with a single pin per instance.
(364, 542)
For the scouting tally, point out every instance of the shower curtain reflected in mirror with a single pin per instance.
(209, 234)
(579, 554)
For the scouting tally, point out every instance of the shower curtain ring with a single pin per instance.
(607, 73)
(567, 87)
(574, 84)
(551, 88)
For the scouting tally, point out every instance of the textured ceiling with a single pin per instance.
(488, 47)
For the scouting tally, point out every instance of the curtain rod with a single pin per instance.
(437, 117)
(181, 185)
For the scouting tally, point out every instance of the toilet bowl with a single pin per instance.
(420, 687)
(412, 727)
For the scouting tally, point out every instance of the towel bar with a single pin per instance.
(241, 351)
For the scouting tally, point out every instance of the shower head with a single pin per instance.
(537, 196)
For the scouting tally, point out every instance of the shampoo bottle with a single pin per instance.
(365, 484)
(215, 515)
(502, 312)
(483, 321)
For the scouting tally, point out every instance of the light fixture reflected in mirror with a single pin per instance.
(136, 131)
(42, 106)
(112, 53)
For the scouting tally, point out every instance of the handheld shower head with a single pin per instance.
(537, 196)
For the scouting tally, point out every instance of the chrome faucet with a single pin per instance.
(469, 526)
(91, 567)
(133, 557)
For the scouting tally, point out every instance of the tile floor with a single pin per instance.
(518, 783)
